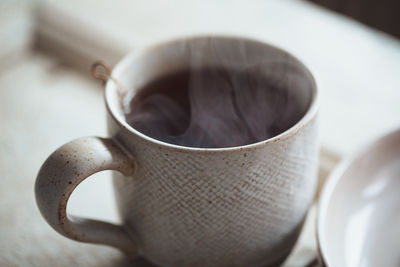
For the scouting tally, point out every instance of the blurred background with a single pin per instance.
(47, 96)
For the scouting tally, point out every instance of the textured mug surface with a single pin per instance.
(182, 206)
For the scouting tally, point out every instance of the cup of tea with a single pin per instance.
(215, 144)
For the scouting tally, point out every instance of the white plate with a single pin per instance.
(359, 210)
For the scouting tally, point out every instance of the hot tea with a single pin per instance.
(213, 107)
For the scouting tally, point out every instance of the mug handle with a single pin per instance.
(61, 173)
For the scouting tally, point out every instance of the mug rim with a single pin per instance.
(308, 116)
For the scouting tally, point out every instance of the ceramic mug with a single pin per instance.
(186, 206)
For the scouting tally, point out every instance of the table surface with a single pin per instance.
(44, 104)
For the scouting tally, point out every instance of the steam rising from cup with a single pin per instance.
(226, 96)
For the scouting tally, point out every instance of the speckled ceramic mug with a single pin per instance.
(183, 206)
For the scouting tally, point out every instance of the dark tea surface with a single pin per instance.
(214, 107)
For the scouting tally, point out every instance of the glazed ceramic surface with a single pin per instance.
(182, 206)
(359, 211)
